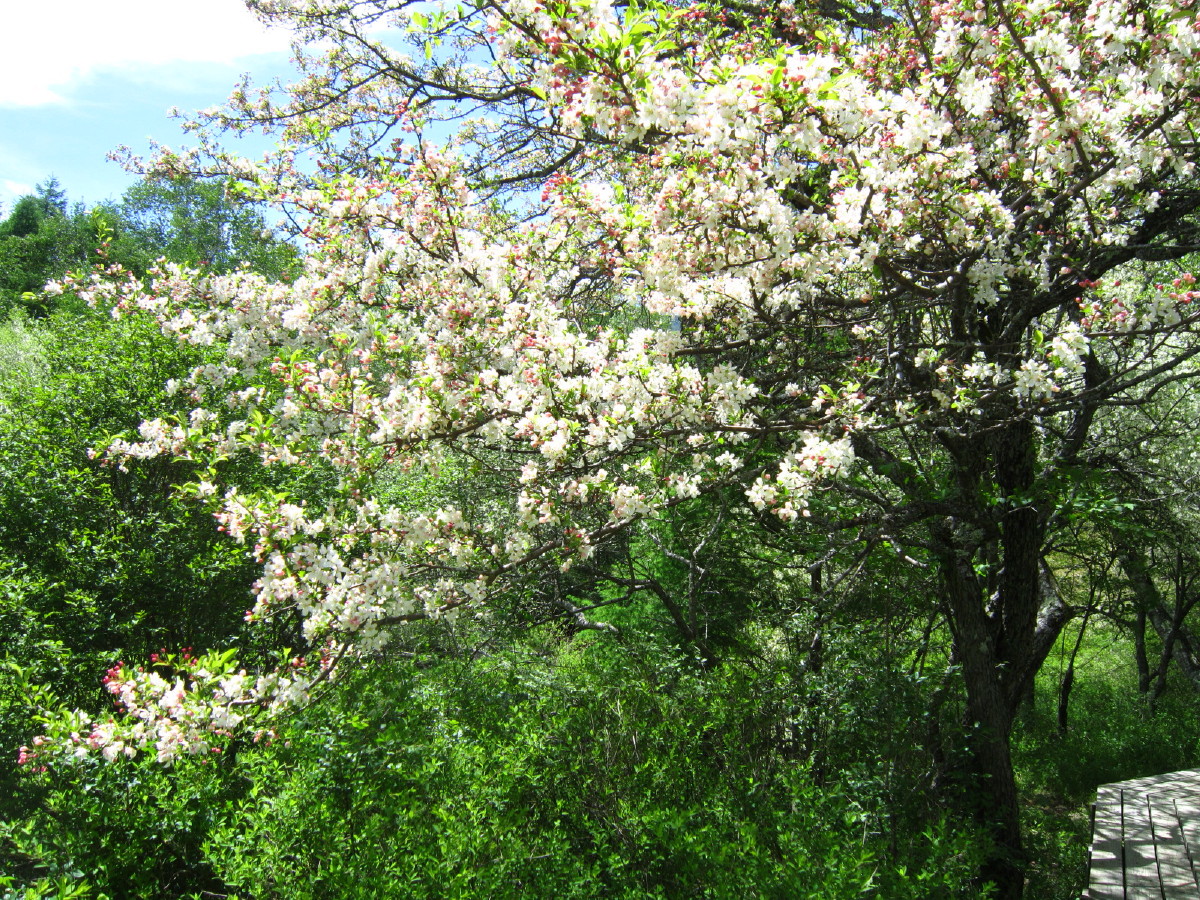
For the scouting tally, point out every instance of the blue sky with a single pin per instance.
(80, 77)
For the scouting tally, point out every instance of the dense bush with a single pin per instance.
(577, 769)
(99, 563)
(583, 771)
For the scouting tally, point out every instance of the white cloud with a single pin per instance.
(16, 188)
(47, 46)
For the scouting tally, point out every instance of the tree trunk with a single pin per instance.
(1139, 652)
(1170, 628)
(1064, 699)
(990, 715)
(1001, 631)
(1068, 681)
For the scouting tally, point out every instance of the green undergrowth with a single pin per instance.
(589, 769)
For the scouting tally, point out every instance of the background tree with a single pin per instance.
(197, 223)
(40, 241)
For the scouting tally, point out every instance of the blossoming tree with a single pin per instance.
(785, 250)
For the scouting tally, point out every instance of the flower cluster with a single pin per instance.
(760, 246)
(187, 712)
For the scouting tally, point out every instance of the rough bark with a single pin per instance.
(1004, 619)
(989, 712)
(1139, 652)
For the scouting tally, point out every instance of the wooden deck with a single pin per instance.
(1146, 839)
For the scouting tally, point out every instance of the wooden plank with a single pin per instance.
(1141, 865)
(1106, 880)
(1146, 839)
(1187, 808)
(1174, 867)
(1156, 782)
(1149, 783)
